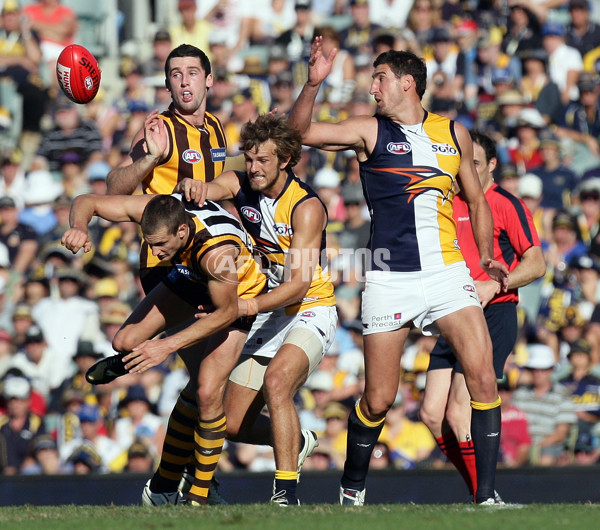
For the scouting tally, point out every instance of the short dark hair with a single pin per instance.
(163, 211)
(488, 145)
(403, 63)
(287, 139)
(187, 50)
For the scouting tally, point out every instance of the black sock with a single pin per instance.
(485, 429)
(361, 440)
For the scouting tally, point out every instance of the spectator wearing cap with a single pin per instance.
(529, 188)
(588, 197)
(549, 409)
(96, 173)
(282, 92)
(44, 458)
(326, 183)
(559, 182)
(12, 176)
(38, 363)
(190, 29)
(139, 458)
(564, 62)
(581, 120)
(537, 87)
(356, 38)
(61, 208)
(20, 425)
(297, 40)
(19, 238)
(586, 269)
(72, 174)
(69, 317)
(524, 145)
(508, 179)
(333, 438)
(21, 320)
(69, 132)
(523, 31)
(584, 388)
(42, 189)
(112, 317)
(490, 56)
(243, 110)
(445, 64)
(162, 44)
(94, 441)
(582, 33)
(138, 421)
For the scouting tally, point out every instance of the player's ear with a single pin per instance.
(167, 85)
(209, 80)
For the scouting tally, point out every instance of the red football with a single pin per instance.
(78, 73)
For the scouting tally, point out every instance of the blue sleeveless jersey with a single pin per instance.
(408, 185)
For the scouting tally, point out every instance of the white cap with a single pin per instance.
(326, 177)
(16, 387)
(320, 380)
(541, 357)
(530, 185)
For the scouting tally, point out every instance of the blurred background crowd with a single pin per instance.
(523, 71)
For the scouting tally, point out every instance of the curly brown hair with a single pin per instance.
(287, 139)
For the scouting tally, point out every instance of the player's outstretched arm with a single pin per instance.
(224, 187)
(110, 207)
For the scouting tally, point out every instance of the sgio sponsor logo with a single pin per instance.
(444, 149)
(191, 156)
(283, 229)
(399, 148)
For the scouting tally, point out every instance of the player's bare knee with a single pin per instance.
(275, 387)
(431, 417)
(124, 341)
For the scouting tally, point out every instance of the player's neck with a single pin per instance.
(196, 118)
(409, 112)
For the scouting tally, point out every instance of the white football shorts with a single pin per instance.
(391, 300)
(312, 330)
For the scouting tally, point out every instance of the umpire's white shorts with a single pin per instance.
(392, 300)
(312, 330)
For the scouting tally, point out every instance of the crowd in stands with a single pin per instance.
(525, 72)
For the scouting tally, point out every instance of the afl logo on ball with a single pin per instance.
(399, 148)
(88, 83)
(191, 156)
(252, 214)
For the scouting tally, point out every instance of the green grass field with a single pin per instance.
(326, 517)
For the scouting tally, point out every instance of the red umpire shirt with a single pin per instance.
(514, 233)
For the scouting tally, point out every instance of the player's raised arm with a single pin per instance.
(329, 136)
(220, 189)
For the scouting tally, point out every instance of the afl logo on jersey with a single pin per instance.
(191, 156)
(399, 148)
(252, 214)
(469, 288)
(444, 149)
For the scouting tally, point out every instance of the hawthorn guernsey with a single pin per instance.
(78, 73)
